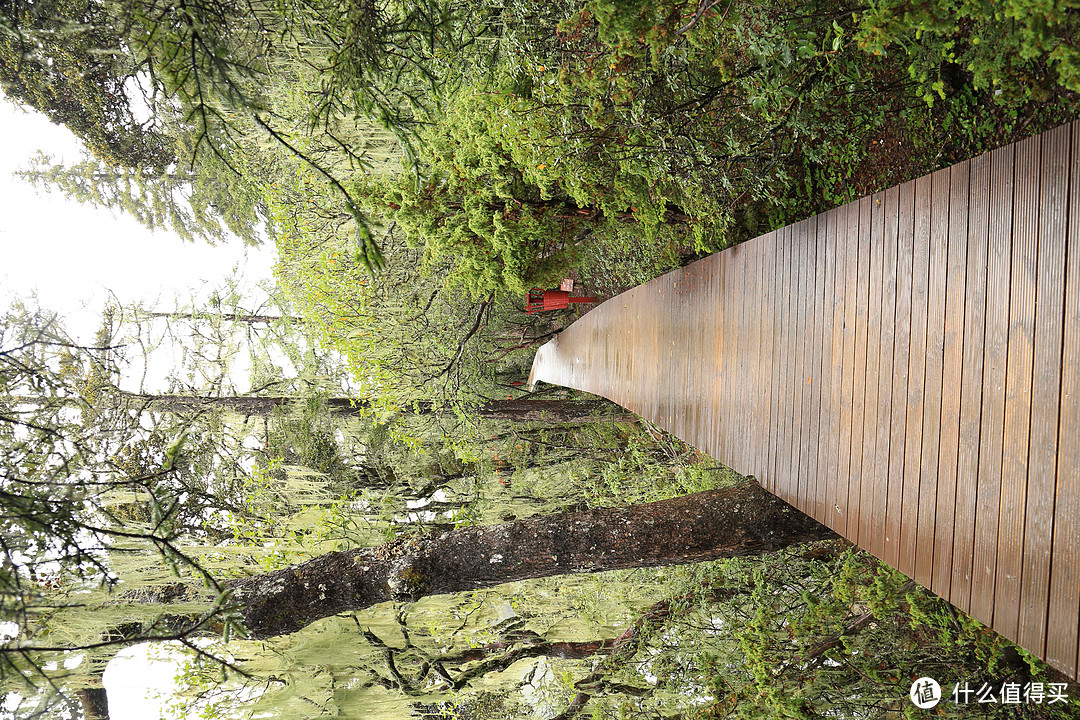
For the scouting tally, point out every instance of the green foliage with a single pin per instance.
(385, 327)
(666, 128)
(825, 633)
(506, 212)
(1005, 45)
(68, 59)
(616, 138)
(203, 199)
(289, 515)
(202, 72)
(90, 499)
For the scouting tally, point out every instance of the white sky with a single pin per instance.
(73, 256)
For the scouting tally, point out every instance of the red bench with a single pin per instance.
(540, 300)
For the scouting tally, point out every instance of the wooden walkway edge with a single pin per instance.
(904, 368)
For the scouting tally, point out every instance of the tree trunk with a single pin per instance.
(95, 703)
(520, 410)
(555, 411)
(250, 319)
(736, 521)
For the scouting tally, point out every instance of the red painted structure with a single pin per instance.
(541, 300)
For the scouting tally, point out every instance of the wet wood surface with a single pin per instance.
(904, 368)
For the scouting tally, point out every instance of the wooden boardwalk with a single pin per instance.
(905, 368)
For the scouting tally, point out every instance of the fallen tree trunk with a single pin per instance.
(735, 521)
(515, 410)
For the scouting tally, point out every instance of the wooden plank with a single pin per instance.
(783, 350)
(659, 398)
(802, 354)
(757, 385)
(744, 383)
(763, 407)
(724, 342)
(1045, 393)
(952, 374)
(685, 363)
(701, 415)
(647, 330)
(934, 360)
(721, 419)
(836, 231)
(630, 334)
(669, 378)
(751, 358)
(870, 505)
(813, 371)
(738, 347)
(711, 374)
(1061, 646)
(858, 396)
(776, 440)
(886, 509)
(699, 349)
(786, 382)
(783, 340)
(798, 439)
(798, 248)
(663, 397)
(759, 372)
(769, 269)
(730, 338)
(826, 463)
(783, 384)
(901, 344)
(775, 313)
(723, 275)
(913, 432)
(647, 345)
(673, 376)
(995, 348)
(847, 387)
(821, 380)
(971, 387)
(787, 472)
(1019, 368)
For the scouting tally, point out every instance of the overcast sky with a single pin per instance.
(74, 256)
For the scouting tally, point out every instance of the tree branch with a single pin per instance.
(472, 331)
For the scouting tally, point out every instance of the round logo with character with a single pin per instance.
(925, 693)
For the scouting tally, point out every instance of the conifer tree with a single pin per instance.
(69, 60)
(201, 200)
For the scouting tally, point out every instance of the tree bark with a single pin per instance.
(94, 702)
(250, 319)
(519, 410)
(735, 521)
(555, 411)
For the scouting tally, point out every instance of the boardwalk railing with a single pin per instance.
(905, 368)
